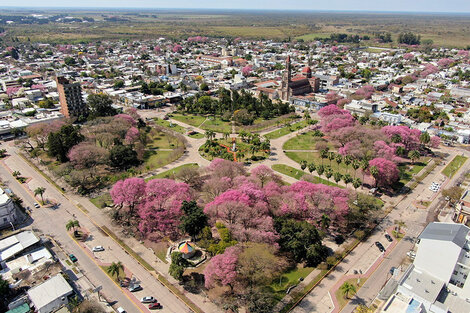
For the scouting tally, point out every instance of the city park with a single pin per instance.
(264, 199)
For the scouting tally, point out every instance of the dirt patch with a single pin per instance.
(159, 248)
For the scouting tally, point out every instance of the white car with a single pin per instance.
(36, 205)
(121, 310)
(97, 249)
(148, 300)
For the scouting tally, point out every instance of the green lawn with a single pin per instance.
(176, 170)
(260, 124)
(216, 124)
(408, 170)
(173, 126)
(286, 130)
(297, 174)
(454, 166)
(160, 140)
(339, 295)
(305, 141)
(101, 200)
(196, 135)
(190, 119)
(280, 285)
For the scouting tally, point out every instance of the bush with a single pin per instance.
(359, 234)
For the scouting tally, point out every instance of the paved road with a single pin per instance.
(52, 222)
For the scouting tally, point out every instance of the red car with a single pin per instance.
(154, 306)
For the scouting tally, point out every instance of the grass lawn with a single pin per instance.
(196, 135)
(286, 130)
(454, 166)
(216, 124)
(160, 140)
(339, 295)
(280, 285)
(156, 159)
(190, 119)
(408, 170)
(170, 173)
(305, 141)
(101, 200)
(297, 174)
(174, 127)
(122, 275)
(260, 124)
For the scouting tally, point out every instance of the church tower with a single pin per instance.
(286, 80)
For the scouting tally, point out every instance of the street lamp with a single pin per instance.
(12, 226)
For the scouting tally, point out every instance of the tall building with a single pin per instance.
(70, 98)
(298, 85)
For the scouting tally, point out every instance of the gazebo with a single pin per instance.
(187, 249)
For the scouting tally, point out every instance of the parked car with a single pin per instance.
(154, 306)
(411, 254)
(73, 258)
(389, 238)
(36, 205)
(380, 246)
(135, 287)
(148, 300)
(121, 310)
(97, 249)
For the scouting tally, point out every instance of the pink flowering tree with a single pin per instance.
(160, 211)
(365, 92)
(157, 49)
(128, 193)
(435, 141)
(222, 269)
(463, 53)
(224, 168)
(331, 110)
(403, 134)
(334, 49)
(132, 136)
(428, 70)
(444, 62)
(263, 175)
(177, 48)
(408, 56)
(87, 155)
(387, 172)
(126, 118)
(246, 70)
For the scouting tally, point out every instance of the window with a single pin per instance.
(455, 272)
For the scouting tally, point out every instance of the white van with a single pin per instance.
(121, 310)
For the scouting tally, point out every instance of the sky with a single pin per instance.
(456, 6)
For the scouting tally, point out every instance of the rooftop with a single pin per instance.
(50, 290)
(422, 284)
(455, 233)
(16, 243)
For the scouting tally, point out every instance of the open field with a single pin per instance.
(443, 29)
(173, 171)
(454, 166)
(286, 130)
(297, 174)
(305, 141)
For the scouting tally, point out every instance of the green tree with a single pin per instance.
(328, 173)
(414, 155)
(100, 105)
(311, 167)
(339, 160)
(194, 220)
(453, 193)
(347, 179)
(72, 224)
(59, 143)
(347, 289)
(178, 265)
(331, 156)
(374, 171)
(123, 157)
(364, 166)
(303, 164)
(40, 191)
(115, 269)
(337, 176)
(320, 169)
(323, 155)
(356, 183)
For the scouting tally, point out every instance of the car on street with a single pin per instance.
(73, 258)
(97, 249)
(36, 205)
(411, 254)
(121, 310)
(380, 246)
(389, 238)
(135, 287)
(155, 306)
(148, 300)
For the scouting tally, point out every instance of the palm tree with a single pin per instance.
(364, 166)
(115, 269)
(311, 167)
(328, 173)
(226, 135)
(347, 179)
(320, 169)
(16, 174)
(355, 165)
(414, 155)
(72, 224)
(40, 191)
(347, 288)
(374, 171)
(338, 159)
(325, 221)
(337, 176)
(399, 224)
(347, 161)
(331, 156)
(323, 155)
(303, 164)
(356, 183)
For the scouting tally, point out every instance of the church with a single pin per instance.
(298, 85)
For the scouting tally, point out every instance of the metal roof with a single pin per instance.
(455, 233)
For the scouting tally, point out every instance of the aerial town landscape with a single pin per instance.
(234, 159)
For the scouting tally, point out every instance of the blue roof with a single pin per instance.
(24, 308)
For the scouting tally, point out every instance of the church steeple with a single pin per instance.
(288, 69)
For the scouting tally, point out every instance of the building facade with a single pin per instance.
(299, 85)
(8, 214)
(70, 98)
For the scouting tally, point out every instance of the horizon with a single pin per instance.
(365, 6)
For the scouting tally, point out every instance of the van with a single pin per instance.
(121, 310)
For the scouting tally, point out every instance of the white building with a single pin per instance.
(50, 295)
(437, 280)
(7, 210)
